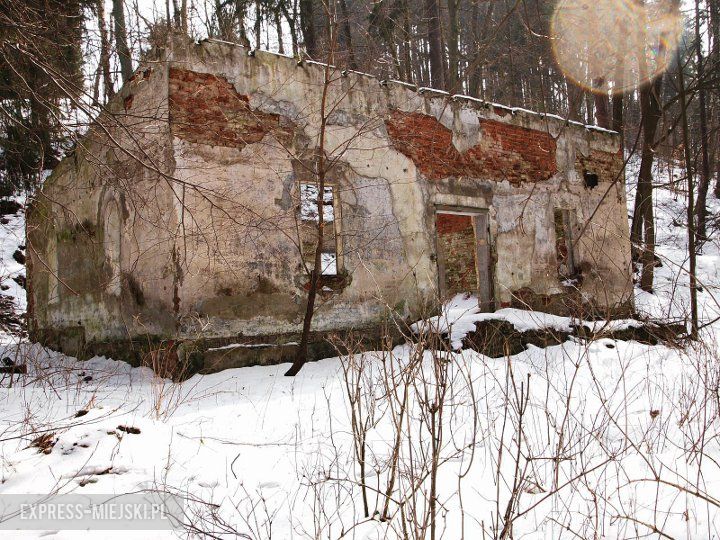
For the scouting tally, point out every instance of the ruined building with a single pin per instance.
(188, 213)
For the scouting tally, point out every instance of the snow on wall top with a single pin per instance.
(498, 108)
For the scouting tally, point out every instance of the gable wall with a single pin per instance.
(101, 230)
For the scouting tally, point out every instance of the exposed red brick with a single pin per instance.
(456, 243)
(207, 109)
(607, 165)
(507, 152)
(450, 223)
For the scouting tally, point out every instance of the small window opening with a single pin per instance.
(564, 245)
(591, 179)
(310, 218)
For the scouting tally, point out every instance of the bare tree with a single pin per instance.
(104, 64)
(642, 232)
(320, 165)
(691, 226)
(704, 184)
(307, 23)
(121, 40)
(434, 38)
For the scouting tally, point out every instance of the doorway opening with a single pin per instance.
(464, 264)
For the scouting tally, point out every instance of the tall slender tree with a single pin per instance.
(691, 228)
(121, 40)
(434, 39)
(704, 184)
(642, 232)
(104, 64)
(307, 24)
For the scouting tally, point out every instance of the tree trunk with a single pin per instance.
(453, 51)
(278, 28)
(642, 233)
(589, 108)
(434, 37)
(346, 35)
(301, 355)
(406, 57)
(690, 210)
(473, 74)
(258, 24)
(180, 14)
(714, 7)
(701, 207)
(476, 66)
(602, 113)
(292, 20)
(108, 89)
(618, 103)
(121, 41)
(240, 18)
(307, 24)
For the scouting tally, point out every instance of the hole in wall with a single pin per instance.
(591, 179)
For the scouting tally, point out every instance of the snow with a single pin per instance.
(249, 437)
(599, 439)
(460, 314)
(402, 83)
(671, 299)
(328, 264)
(12, 236)
(250, 346)
(309, 210)
(427, 89)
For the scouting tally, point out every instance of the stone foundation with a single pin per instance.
(180, 359)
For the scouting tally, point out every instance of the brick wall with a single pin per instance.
(506, 151)
(456, 243)
(207, 109)
(607, 165)
(452, 223)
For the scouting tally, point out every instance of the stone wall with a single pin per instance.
(400, 154)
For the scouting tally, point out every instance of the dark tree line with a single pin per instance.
(33, 35)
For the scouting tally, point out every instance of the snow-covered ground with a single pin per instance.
(12, 239)
(671, 298)
(602, 439)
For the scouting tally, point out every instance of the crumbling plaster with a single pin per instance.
(121, 162)
(207, 240)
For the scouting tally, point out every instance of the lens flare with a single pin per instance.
(614, 45)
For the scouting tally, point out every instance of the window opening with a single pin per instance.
(310, 217)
